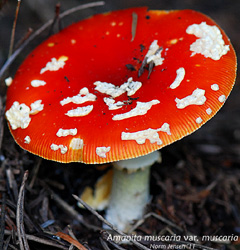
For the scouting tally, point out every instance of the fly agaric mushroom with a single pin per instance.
(110, 88)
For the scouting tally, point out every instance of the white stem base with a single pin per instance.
(130, 190)
(130, 194)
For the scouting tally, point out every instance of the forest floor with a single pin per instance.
(195, 191)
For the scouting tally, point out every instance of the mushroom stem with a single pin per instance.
(130, 190)
(130, 193)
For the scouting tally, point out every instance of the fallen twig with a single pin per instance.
(139, 245)
(6, 243)
(12, 247)
(19, 216)
(116, 245)
(2, 222)
(104, 244)
(35, 172)
(1, 121)
(40, 240)
(14, 29)
(72, 241)
(12, 183)
(56, 19)
(24, 38)
(67, 208)
(63, 204)
(159, 217)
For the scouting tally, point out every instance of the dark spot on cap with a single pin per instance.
(139, 61)
(65, 77)
(142, 47)
(130, 67)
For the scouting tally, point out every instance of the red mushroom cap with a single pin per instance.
(106, 88)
